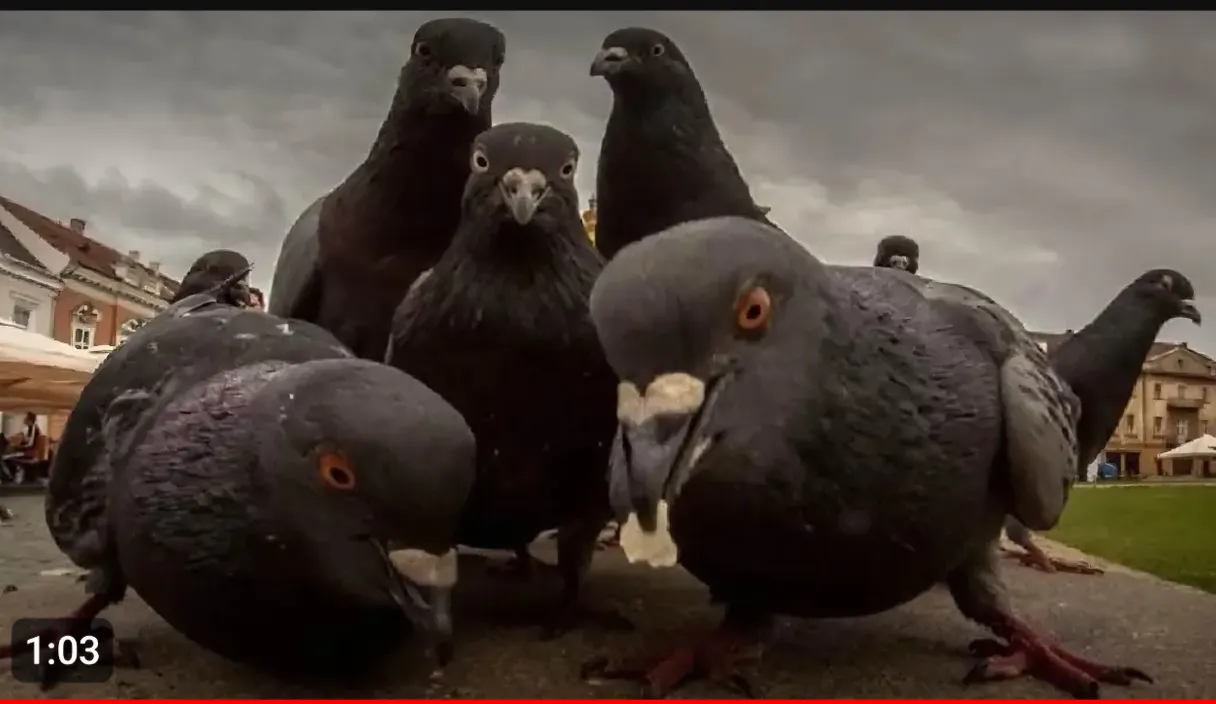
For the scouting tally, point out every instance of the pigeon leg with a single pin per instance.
(1039, 560)
(576, 544)
(725, 656)
(979, 593)
(1034, 555)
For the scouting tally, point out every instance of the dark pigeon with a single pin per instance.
(1101, 364)
(352, 255)
(244, 473)
(212, 269)
(830, 441)
(500, 328)
(662, 161)
(898, 252)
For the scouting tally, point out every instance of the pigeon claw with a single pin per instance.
(1042, 562)
(722, 657)
(1028, 654)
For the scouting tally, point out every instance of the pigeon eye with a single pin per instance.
(480, 164)
(422, 50)
(335, 470)
(657, 50)
(752, 310)
(568, 168)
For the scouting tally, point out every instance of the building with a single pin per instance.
(1173, 402)
(105, 295)
(28, 288)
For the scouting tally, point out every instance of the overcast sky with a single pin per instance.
(1046, 159)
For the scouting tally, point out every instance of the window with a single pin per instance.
(1183, 428)
(23, 315)
(1157, 423)
(1130, 421)
(82, 337)
(1157, 391)
(1203, 427)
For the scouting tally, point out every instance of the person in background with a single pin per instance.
(29, 437)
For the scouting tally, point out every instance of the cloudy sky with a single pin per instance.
(1046, 159)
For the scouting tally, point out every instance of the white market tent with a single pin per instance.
(1200, 448)
(39, 374)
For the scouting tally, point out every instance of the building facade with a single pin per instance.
(105, 295)
(1173, 402)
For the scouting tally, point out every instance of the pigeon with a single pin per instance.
(351, 257)
(898, 252)
(826, 441)
(500, 328)
(244, 474)
(1101, 364)
(662, 161)
(211, 269)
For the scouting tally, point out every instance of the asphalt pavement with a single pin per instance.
(916, 651)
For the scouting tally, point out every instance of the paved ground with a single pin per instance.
(915, 651)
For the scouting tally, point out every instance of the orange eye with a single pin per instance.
(752, 310)
(335, 470)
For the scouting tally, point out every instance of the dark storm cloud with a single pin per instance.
(1047, 158)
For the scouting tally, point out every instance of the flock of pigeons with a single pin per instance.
(448, 360)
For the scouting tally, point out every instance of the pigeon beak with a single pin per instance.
(467, 86)
(522, 191)
(1190, 312)
(658, 443)
(899, 261)
(427, 580)
(609, 61)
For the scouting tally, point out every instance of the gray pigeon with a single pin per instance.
(900, 252)
(244, 474)
(827, 441)
(351, 256)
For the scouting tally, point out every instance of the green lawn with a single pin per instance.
(1168, 531)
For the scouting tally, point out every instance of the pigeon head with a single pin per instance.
(898, 252)
(636, 57)
(361, 457)
(454, 66)
(213, 271)
(523, 173)
(1169, 293)
(703, 324)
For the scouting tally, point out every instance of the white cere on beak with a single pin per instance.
(657, 549)
(285, 328)
(523, 190)
(899, 261)
(676, 392)
(424, 568)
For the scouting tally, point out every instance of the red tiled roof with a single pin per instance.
(82, 249)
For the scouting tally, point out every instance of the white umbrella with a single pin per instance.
(1200, 448)
(39, 374)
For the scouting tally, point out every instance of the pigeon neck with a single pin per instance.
(418, 164)
(1124, 331)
